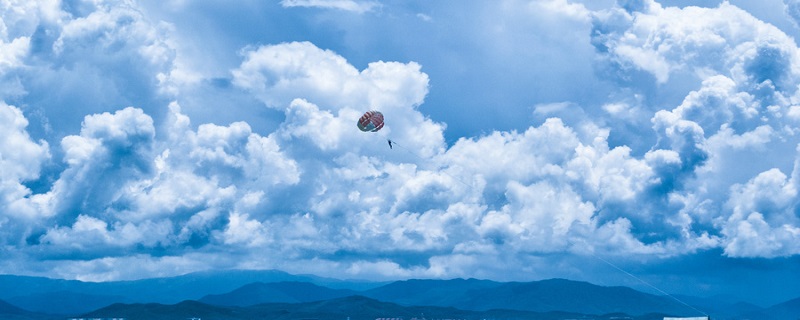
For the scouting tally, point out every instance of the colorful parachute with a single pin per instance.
(371, 121)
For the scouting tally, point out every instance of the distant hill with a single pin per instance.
(353, 307)
(538, 296)
(721, 307)
(65, 302)
(285, 292)
(11, 285)
(12, 312)
(232, 290)
(9, 309)
(450, 293)
(156, 311)
(789, 310)
(55, 296)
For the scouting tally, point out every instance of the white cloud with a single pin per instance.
(281, 73)
(89, 234)
(245, 231)
(22, 157)
(326, 130)
(504, 156)
(574, 10)
(129, 267)
(734, 129)
(685, 137)
(21, 160)
(718, 103)
(207, 168)
(114, 29)
(662, 41)
(85, 56)
(313, 193)
(111, 150)
(610, 175)
(763, 222)
(424, 17)
(793, 10)
(338, 182)
(20, 18)
(346, 5)
(647, 60)
(126, 187)
(11, 53)
(538, 218)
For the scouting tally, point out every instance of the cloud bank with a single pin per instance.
(95, 189)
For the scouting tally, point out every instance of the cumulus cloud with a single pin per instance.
(325, 81)
(662, 41)
(21, 160)
(714, 168)
(746, 75)
(111, 149)
(22, 157)
(763, 222)
(93, 56)
(538, 218)
(182, 189)
(281, 73)
(13, 52)
(125, 187)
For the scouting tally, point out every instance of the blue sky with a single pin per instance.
(537, 139)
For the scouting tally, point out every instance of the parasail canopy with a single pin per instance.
(371, 121)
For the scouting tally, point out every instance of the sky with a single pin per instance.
(630, 142)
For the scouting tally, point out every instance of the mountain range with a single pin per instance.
(61, 295)
(351, 307)
(243, 294)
